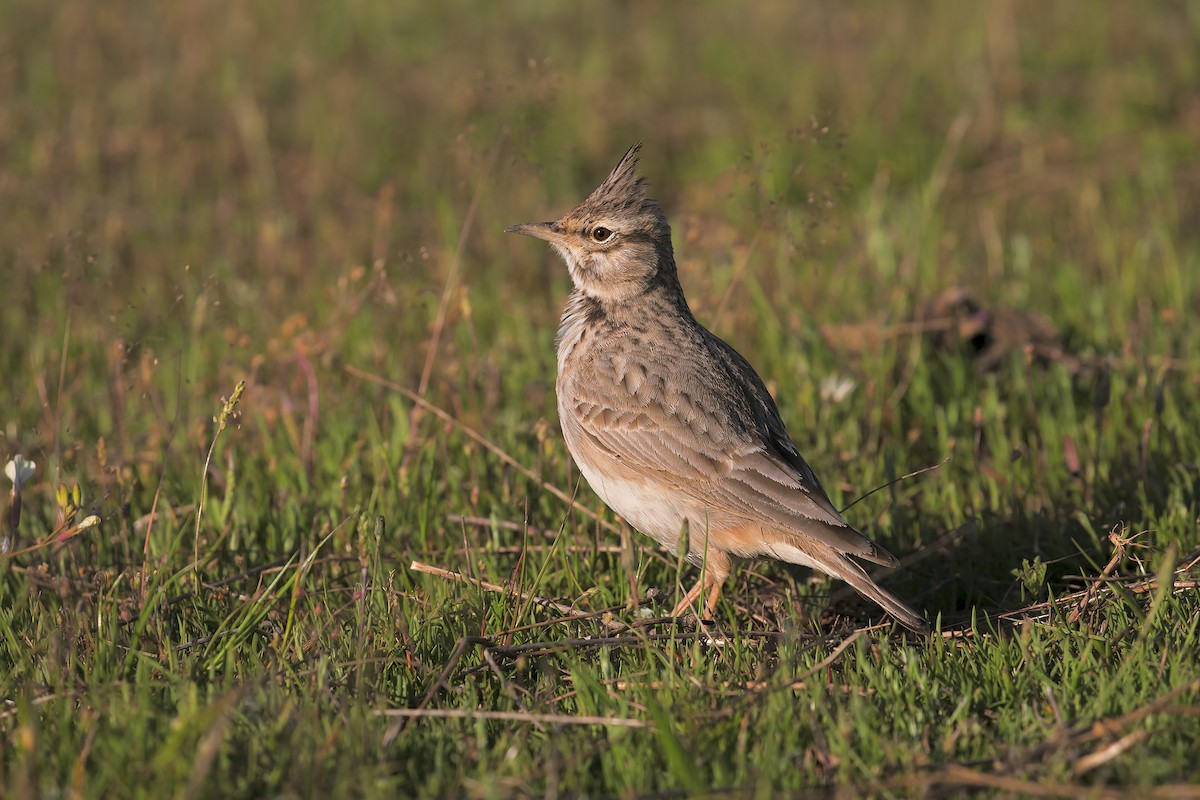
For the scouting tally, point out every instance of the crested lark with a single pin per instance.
(668, 423)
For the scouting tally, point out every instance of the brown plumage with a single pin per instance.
(669, 424)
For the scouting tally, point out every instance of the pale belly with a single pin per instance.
(660, 513)
(647, 508)
(654, 510)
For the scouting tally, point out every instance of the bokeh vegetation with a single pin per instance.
(309, 198)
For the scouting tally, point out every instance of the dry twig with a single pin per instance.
(482, 440)
(429, 569)
(515, 716)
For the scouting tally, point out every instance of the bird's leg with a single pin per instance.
(714, 593)
(686, 603)
(713, 584)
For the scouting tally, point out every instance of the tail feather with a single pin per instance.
(805, 551)
(853, 574)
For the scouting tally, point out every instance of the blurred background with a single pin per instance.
(964, 234)
(194, 193)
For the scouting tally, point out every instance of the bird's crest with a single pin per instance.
(623, 191)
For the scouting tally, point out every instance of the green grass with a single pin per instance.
(294, 194)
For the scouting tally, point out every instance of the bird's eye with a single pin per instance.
(601, 234)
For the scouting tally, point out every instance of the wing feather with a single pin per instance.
(734, 457)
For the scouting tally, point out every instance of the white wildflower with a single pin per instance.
(19, 470)
(836, 388)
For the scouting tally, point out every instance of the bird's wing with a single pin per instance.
(718, 451)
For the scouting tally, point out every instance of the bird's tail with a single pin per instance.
(846, 569)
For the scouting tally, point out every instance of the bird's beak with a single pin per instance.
(550, 231)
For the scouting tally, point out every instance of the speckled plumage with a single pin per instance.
(669, 424)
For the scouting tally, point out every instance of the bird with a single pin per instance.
(671, 426)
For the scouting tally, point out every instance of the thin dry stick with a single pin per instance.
(740, 687)
(794, 684)
(894, 481)
(1142, 586)
(1133, 585)
(43, 699)
(640, 640)
(1192, 559)
(228, 414)
(1108, 752)
(514, 716)
(517, 549)
(824, 663)
(956, 775)
(451, 664)
(478, 437)
(1136, 584)
(448, 290)
(1118, 553)
(56, 536)
(429, 569)
(508, 633)
(1162, 704)
(1087, 733)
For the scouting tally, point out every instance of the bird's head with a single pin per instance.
(616, 243)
